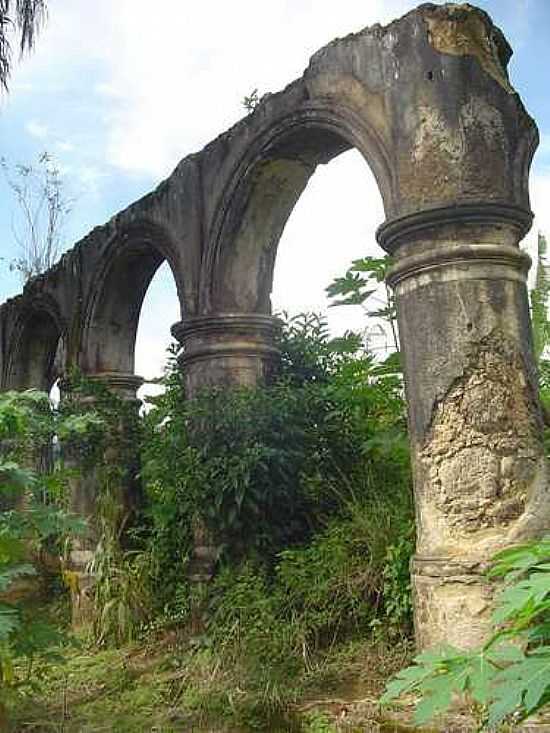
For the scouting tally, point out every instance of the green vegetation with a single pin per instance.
(31, 526)
(301, 491)
(361, 283)
(173, 684)
(509, 677)
(303, 488)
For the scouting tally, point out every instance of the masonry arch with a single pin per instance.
(264, 189)
(36, 353)
(117, 293)
(333, 223)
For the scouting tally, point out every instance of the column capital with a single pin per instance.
(451, 262)
(123, 384)
(227, 349)
(226, 325)
(450, 221)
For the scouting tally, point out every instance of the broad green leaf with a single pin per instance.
(435, 700)
(10, 621)
(407, 680)
(527, 680)
(503, 705)
(481, 673)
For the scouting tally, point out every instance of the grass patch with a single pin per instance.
(287, 647)
(177, 684)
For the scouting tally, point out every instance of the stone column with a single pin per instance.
(475, 422)
(84, 488)
(227, 349)
(222, 350)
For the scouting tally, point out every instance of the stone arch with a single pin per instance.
(428, 103)
(263, 190)
(36, 351)
(117, 291)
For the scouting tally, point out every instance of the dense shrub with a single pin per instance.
(266, 468)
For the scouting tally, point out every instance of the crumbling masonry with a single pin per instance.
(427, 102)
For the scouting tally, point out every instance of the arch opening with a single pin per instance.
(37, 357)
(332, 224)
(117, 298)
(160, 309)
(275, 201)
(262, 195)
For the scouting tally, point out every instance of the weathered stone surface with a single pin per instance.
(428, 103)
(227, 350)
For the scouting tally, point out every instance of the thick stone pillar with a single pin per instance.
(227, 349)
(475, 422)
(85, 488)
(222, 350)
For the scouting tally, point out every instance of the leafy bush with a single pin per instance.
(266, 468)
(305, 487)
(274, 628)
(120, 591)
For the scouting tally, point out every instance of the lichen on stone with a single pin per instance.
(461, 31)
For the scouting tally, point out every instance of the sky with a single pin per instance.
(118, 91)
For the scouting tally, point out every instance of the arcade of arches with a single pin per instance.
(427, 102)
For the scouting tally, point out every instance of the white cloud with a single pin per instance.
(173, 79)
(107, 90)
(159, 311)
(64, 146)
(540, 196)
(90, 176)
(22, 87)
(36, 129)
(333, 223)
(544, 145)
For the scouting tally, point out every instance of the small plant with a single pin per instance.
(539, 297)
(396, 583)
(509, 677)
(361, 283)
(319, 722)
(121, 589)
(266, 467)
(251, 101)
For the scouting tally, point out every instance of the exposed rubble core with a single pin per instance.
(484, 445)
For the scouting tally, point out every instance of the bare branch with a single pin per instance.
(42, 208)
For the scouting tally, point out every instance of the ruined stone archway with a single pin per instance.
(428, 103)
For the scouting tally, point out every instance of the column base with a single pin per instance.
(453, 601)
